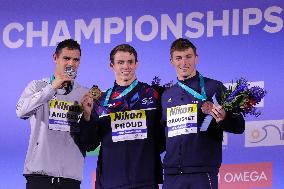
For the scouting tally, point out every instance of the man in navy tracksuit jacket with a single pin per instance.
(194, 136)
(126, 121)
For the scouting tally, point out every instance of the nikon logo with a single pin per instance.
(126, 116)
(180, 110)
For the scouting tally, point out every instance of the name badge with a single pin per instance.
(182, 120)
(63, 115)
(128, 125)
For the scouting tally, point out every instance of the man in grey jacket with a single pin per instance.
(54, 158)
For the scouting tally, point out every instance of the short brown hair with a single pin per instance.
(123, 48)
(182, 44)
(70, 44)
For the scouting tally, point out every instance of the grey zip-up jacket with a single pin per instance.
(50, 152)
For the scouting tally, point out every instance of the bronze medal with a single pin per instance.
(207, 107)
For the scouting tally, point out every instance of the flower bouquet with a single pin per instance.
(242, 99)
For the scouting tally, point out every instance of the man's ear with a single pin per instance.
(111, 65)
(54, 57)
(171, 61)
(196, 60)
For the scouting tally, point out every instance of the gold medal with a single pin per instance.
(96, 92)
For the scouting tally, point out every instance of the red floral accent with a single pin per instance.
(117, 103)
(114, 95)
(156, 94)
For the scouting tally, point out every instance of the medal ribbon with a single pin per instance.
(125, 92)
(191, 91)
(51, 79)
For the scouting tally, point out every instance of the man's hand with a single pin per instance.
(88, 104)
(218, 112)
(60, 80)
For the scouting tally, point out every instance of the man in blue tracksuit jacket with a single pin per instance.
(126, 121)
(193, 128)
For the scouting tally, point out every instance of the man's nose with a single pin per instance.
(72, 63)
(126, 65)
(184, 60)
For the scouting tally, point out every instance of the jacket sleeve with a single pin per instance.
(89, 133)
(163, 125)
(35, 95)
(233, 122)
(160, 131)
(162, 141)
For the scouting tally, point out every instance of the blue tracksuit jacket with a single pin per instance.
(201, 151)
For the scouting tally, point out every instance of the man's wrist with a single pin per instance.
(87, 117)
